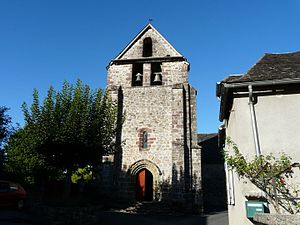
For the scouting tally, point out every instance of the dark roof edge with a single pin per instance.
(261, 83)
(149, 59)
(205, 136)
(225, 90)
(129, 45)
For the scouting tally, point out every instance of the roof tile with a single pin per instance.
(271, 67)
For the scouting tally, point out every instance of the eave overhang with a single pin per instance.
(225, 91)
(148, 60)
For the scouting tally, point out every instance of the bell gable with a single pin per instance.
(148, 43)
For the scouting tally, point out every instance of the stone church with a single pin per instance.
(159, 159)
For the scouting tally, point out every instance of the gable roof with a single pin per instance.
(270, 71)
(139, 35)
(271, 67)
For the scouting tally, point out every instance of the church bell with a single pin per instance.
(138, 77)
(157, 77)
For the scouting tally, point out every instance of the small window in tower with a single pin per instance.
(145, 139)
(137, 74)
(156, 74)
(147, 47)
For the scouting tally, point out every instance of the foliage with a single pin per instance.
(82, 174)
(268, 173)
(5, 131)
(24, 162)
(5, 125)
(72, 128)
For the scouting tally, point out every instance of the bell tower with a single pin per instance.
(159, 154)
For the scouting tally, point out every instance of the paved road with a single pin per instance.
(220, 218)
(110, 218)
(11, 217)
(14, 217)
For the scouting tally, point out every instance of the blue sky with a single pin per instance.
(43, 43)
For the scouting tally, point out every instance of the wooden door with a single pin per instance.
(144, 186)
(141, 185)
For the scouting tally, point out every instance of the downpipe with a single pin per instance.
(253, 120)
(255, 136)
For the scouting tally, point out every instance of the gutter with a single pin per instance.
(223, 90)
(262, 83)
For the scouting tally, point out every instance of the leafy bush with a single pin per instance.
(271, 174)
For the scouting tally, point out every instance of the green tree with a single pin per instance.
(5, 125)
(23, 161)
(72, 128)
(5, 130)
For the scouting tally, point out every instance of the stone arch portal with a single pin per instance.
(147, 178)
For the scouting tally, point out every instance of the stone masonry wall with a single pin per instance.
(147, 108)
(193, 95)
(161, 47)
(167, 112)
(119, 75)
(178, 181)
(172, 73)
(196, 149)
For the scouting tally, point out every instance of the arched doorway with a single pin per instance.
(144, 185)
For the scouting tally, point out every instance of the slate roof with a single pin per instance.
(204, 137)
(270, 70)
(271, 67)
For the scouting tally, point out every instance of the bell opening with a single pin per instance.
(138, 77)
(156, 74)
(137, 74)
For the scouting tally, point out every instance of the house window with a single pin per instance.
(145, 140)
(137, 74)
(156, 74)
(147, 47)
